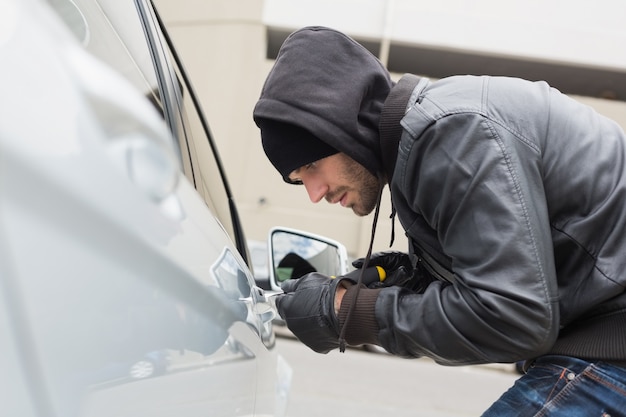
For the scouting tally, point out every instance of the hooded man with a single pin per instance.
(511, 195)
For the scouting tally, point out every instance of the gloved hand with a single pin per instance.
(308, 307)
(399, 269)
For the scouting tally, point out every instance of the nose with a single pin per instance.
(316, 189)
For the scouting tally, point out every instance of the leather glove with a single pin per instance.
(308, 307)
(399, 269)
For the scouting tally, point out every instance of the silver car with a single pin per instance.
(124, 285)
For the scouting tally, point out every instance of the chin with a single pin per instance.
(360, 212)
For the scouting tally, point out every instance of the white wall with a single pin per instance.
(222, 43)
(574, 31)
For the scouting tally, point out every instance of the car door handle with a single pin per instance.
(265, 308)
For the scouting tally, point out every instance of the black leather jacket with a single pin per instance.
(519, 211)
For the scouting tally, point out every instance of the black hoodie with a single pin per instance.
(325, 82)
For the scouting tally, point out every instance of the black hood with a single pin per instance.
(331, 86)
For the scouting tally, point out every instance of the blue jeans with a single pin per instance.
(562, 386)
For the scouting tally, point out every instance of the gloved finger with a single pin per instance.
(378, 259)
(398, 277)
(358, 263)
(371, 275)
(290, 285)
(280, 298)
(375, 259)
(312, 279)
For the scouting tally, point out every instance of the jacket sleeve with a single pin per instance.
(477, 184)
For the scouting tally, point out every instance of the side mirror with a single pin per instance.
(294, 253)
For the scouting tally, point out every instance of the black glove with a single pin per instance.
(399, 268)
(308, 307)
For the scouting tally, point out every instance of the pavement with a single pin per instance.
(359, 383)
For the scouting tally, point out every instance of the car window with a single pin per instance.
(112, 31)
(114, 36)
(203, 171)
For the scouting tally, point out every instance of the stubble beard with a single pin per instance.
(367, 186)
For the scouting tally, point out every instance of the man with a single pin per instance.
(513, 200)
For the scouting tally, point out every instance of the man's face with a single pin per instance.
(340, 179)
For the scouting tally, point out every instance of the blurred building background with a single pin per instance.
(228, 48)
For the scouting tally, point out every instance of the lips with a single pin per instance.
(338, 197)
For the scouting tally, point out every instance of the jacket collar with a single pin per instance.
(389, 125)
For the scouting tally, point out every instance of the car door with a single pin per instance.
(123, 292)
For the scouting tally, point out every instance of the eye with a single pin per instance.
(294, 177)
